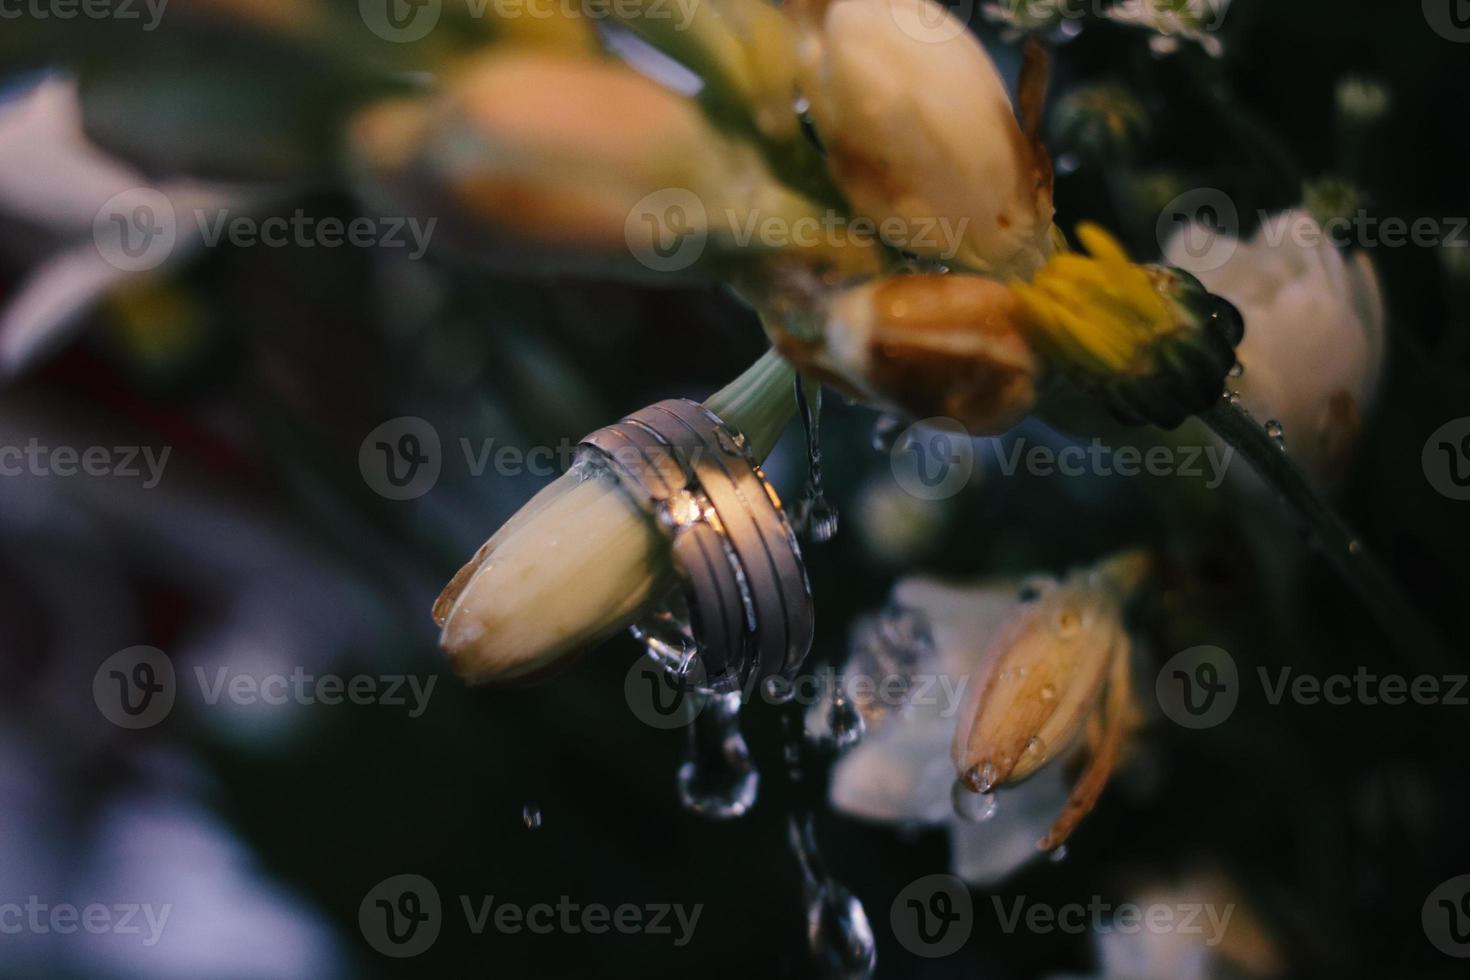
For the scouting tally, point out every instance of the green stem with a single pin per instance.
(1364, 574)
(759, 403)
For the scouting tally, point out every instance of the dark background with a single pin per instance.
(264, 542)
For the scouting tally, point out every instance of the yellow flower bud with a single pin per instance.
(918, 127)
(1057, 676)
(927, 345)
(591, 158)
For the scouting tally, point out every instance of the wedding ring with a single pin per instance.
(739, 564)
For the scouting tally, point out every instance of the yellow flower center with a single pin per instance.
(1098, 312)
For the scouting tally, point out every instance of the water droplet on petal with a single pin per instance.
(971, 807)
(981, 778)
(1236, 371)
(1058, 854)
(1277, 434)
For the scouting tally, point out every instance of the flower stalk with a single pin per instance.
(1365, 575)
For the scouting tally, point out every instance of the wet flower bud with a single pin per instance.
(581, 560)
(927, 345)
(918, 128)
(1150, 341)
(590, 158)
(1057, 676)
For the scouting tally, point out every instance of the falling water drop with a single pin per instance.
(718, 780)
(971, 807)
(886, 431)
(1277, 434)
(845, 722)
(815, 515)
(837, 931)
(531, 816)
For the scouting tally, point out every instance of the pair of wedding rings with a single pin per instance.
(741, 572)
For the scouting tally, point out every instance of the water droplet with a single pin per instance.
(778, 689)
(732, 443)
(886, 430)
(845, 722)
(839, 937)
(1277, 434)
(681, 510)
(814, 516)
(1237, 370)
(1355, 547)
(971, 807)
(1058, 854)
(1233, 398)
(1068, 623)
(981, 778)
(718, 780)
(1048, 692)
(531, 816)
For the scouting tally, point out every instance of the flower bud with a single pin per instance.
(918, 128)
(581, 560)
(1058, 670)
(1151, 341)
(926, 345)
(590, 158)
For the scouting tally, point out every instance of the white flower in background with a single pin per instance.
(904, 771)
(1173, 21)
(1314, 338)
(1227, 937)
(918, 127)
(52, 176)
